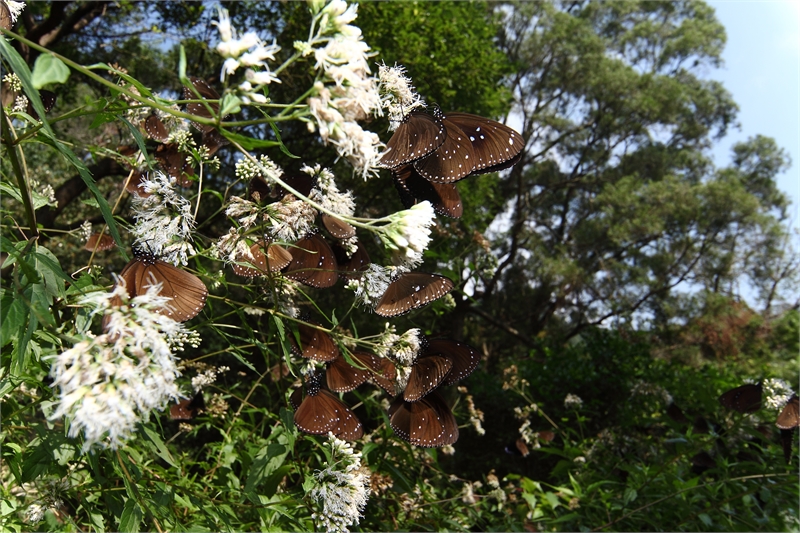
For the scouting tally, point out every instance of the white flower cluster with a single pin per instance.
(372, 285)
(341, 490)
(402, 349)
(408, 234)
(108, 383)
(246, 51)
(347, 93)
(571, 401)
(291, 219)
(397, 94)
(644, 388)
(776, 393)
(13, 82)
(15, 8)
(207, 377)
(327, 194)
(164, 220)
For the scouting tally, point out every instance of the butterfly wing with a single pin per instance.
(187, 409)
(427, 373)
(385, 376)
(338, 228)
(744, 399)
(313, 262)
(463, 357)
(493, 143)
(276, 258)
(789, 417)
(417, 136)
(344, 377)
(323, 412)
(452, 161)
(412, 188)
(410, 291)
(198, 108)
(155, 128)
(351, 267)
(100, 242)
(317, 344)
(427, 422)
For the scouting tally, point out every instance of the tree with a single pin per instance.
(615, 209)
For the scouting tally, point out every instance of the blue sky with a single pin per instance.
(762, 72)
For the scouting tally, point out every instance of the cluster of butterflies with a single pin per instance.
(428, 154)
(320, 262)
(418, 414)
(744, 399)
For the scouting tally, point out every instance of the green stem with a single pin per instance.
(22, 183)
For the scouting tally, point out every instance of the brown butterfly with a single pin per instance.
(744, 399)
(344, 377)
(155, 128)
(351, 267)
(188, 293)
(338, 228)
(427, 373)
(316, 344)
(276, 258)
(313, 262)
(789, 417)
(427, 422)
(413, 188)
(463, 357)
(320, 412)
(201, 109)
(410, 291)
(100, 242)
(187, 409)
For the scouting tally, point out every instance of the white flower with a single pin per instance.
(372, 285)
(327, 194)
(109, 383)
(408, 233)
(13, 81)
(164, 220)
(15, 8)
(572, 402)
(776, 393)
(341, 490)
(397, 94)
(248, 51)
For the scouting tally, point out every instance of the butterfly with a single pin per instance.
(134, 184)
(413, 188)
(473, 144)
(676, 414)
(155, 128)
(789, 417)
(344, 377)
(351, 267)
(174, 163)
(745, 398)
(48, 102)
(338, 228)
(417, 136)
(386, 376)
(316, 344)
(427, 373)
(188, 294)
(518, 447)
(187, 409)
(463, 357)
(427, 422)
(410, 291)
(320, 412)
(5, 16)
(276, 258)
(313, 262)
(100, 242)
(199, 108)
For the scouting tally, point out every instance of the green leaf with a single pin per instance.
(249, 143)
(14, 315)
(48, 69)
(231, 104)
(157, 445)
(131, 517)
(20, 68)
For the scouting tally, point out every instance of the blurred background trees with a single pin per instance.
(614, 254)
